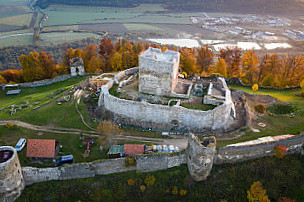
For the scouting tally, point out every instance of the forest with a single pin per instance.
(269, 70)
(239, 6)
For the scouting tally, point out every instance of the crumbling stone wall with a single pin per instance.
(144, 163)
(234, 154)
(200, 156)
(158, 71)
(11, 180)
(161, 117)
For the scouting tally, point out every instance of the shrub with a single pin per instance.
(131, 182)
(281, 109)
(129, 161)
(285, 199)
(280, 151)
(150, 180)
(9, 125)
(174, 190)
(260, 108)
(302, 93)
(142, 188)
(182, 192)
(257, 193)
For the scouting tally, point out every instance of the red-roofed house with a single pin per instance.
(132, 149)
(42, 149)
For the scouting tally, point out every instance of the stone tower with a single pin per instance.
(11, 179)
(200, 156)
(158, 72)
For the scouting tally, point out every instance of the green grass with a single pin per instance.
(18, 20)
(277, 124)
(280, 177)
(202, 107)
(70, 144)
(64, 115)
(132, 27)
(63, 15)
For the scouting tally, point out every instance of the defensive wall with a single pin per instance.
(44, 82)
(162, 117)
(200, 157)
(235, 154)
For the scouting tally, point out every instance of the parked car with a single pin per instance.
(65, 159)
(20, 144)
(176, 149)
(165, 148)
(171, 148)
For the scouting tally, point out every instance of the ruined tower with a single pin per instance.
(158, 72)
(11, 179)
(200, 156)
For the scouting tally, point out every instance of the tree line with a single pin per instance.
(270, 70)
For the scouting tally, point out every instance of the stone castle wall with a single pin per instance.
(163, 117)
(44, 82)
(11, 180)
(234, 154)
(158, 71)
(144, 163)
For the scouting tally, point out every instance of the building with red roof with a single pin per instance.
(42, 149)
(132, 149)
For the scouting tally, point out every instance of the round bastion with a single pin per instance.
(11, 179)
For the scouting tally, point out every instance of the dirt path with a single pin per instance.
(180, 142)
(50, 129)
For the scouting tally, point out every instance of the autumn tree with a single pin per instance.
(280, 151)
(255, 87)
(302, 86)
(96, 64)
(12, 75)
(2, 80)
(220, 67)
(68, 55)
(47, 65)
(233, 60)
(249, 67)
(187, 60)
(116, 62)
(204, 59)
(257, 193)
(106, 50)
(87, 54)
(108, 130)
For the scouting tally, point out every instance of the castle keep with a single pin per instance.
(158, 71)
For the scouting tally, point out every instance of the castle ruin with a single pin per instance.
(11, 179)
(158, 72)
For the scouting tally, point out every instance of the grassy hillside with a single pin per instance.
(280, 177)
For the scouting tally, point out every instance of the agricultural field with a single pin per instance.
(18, 20)
(132, 27)
(51, 38)
(60, 28)
(145, 13)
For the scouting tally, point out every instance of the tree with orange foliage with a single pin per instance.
(106, 49)
(249, 67)
(280, 151)
(2, 80)
(257, 193)
(68, 55)
(204, 59)
(187, 60)
(220, 67)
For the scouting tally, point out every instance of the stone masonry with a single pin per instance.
(158, 72)
(11, 179)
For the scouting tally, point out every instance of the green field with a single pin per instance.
(48, 38)
(67, 15)
(71, 144)
(277, 124)
(18, 20)
(133, 27)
